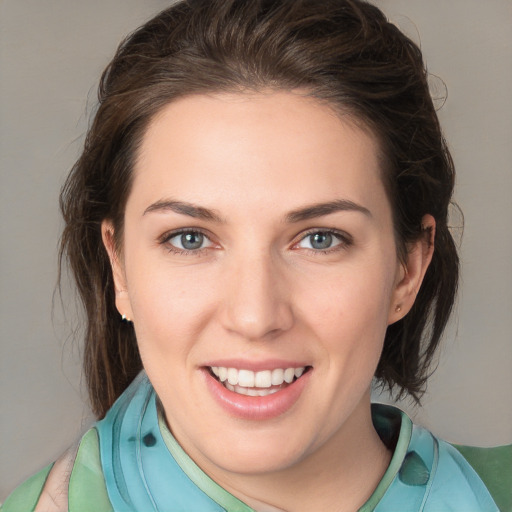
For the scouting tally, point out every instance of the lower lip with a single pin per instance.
(256, 408)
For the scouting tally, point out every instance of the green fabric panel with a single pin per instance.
(87, 490)
(25, 497)
(494, 467)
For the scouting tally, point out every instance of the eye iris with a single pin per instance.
(321, 240)
(191, 241)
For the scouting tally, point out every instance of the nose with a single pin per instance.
(257, 305)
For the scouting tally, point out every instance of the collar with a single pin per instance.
(146, 469)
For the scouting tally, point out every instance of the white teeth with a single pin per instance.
(250, 391)
(289, 375)
(241, 390)
(223, 373)
(246, 378)
(232, 376)
(256, 381)
(263, 379)
(277, 376)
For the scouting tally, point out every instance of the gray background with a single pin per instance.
(52, 52)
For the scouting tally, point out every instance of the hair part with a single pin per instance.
(341, 52)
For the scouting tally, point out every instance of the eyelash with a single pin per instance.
(166, 237)
(345, 241)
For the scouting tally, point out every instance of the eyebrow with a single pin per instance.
(184, 208)
(321, 209)
(302, 214)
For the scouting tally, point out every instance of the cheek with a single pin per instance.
(351, 297)
(349, 317)
(170, 308)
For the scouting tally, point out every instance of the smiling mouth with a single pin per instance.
(262, 383)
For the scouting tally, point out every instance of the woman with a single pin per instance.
(259, 220)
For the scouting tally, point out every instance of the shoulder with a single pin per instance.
(471, 478)
(26, 496)
(494, 467)
(69, 483)
(432, 475)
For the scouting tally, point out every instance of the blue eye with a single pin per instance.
(189, 241)
(322, 241)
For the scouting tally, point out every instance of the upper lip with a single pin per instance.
(255, 366)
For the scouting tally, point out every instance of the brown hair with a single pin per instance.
(343, 52)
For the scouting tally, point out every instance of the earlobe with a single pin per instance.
(122, 297)
(411, 274)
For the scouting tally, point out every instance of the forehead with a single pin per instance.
(262, 148)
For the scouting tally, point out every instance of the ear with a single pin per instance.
(122, 297)
(411, 273)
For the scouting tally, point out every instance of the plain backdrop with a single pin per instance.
(52, 53)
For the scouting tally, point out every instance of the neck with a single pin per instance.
(341, 475)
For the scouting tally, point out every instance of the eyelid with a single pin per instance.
(345, 239)
(168, 235)
(181, 231)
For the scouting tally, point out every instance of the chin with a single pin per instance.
(253, 454)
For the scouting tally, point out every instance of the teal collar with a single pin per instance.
(146, 469)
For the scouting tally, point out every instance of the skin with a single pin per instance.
(257, 290)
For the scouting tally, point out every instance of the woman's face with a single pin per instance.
(258, 247)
